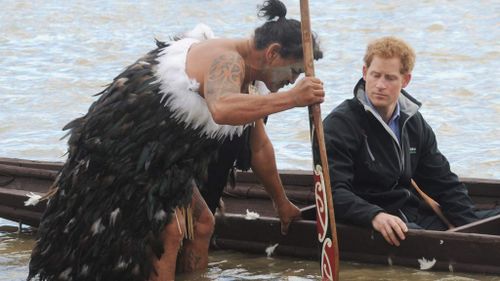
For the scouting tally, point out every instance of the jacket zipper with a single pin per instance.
(368, 148)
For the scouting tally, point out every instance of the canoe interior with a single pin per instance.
(471, 248)
(486, 226)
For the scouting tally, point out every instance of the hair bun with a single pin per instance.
(272, 9)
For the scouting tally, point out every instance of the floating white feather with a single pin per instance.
(33, 199)
(270, 249)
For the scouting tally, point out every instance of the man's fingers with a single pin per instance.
(391, 235)
(400, 233)
(387, 237)
(318, 85)
(284, 228)
(403, 225)
(317, 80)
(391, 227)
(319, 92)
(400, 229)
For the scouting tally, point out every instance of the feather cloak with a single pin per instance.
(132, 159)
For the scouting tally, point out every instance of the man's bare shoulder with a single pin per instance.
(208, 51)
(209, 59)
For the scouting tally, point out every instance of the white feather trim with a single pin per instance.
(182, 92)
(200, 32)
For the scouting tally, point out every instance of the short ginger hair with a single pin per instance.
(391, 47)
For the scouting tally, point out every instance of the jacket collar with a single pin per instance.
(407, 104)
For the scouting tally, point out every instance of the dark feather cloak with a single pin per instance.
(132, 160)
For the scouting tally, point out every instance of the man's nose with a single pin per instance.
(380, 83)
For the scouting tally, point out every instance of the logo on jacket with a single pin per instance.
(413, 150)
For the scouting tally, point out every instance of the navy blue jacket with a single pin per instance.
(370, 168)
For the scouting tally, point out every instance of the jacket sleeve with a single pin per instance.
(342, 142)
(434, 176)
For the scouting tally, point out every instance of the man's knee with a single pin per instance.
(205, 225)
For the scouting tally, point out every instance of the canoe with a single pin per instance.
(471, 248)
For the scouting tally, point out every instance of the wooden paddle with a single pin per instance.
(433, 204)
(325, 217)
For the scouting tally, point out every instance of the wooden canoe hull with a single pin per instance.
(471, 248)
(451, 251)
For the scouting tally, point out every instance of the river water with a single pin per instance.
(55, 55)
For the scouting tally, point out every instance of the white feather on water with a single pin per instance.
(270, 249)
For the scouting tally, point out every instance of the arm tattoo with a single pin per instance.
(225, 76)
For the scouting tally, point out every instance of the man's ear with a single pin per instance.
(364, 72)
(406, 80)
(273, 52)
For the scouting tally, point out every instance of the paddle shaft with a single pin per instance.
(433, 204)
(327, 236)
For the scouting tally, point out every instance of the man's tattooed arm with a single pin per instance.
(225, 77)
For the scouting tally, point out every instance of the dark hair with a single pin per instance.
(284, 31)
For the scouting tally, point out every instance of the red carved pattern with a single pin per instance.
(321, 204)
(327, 259)
(322, 224)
